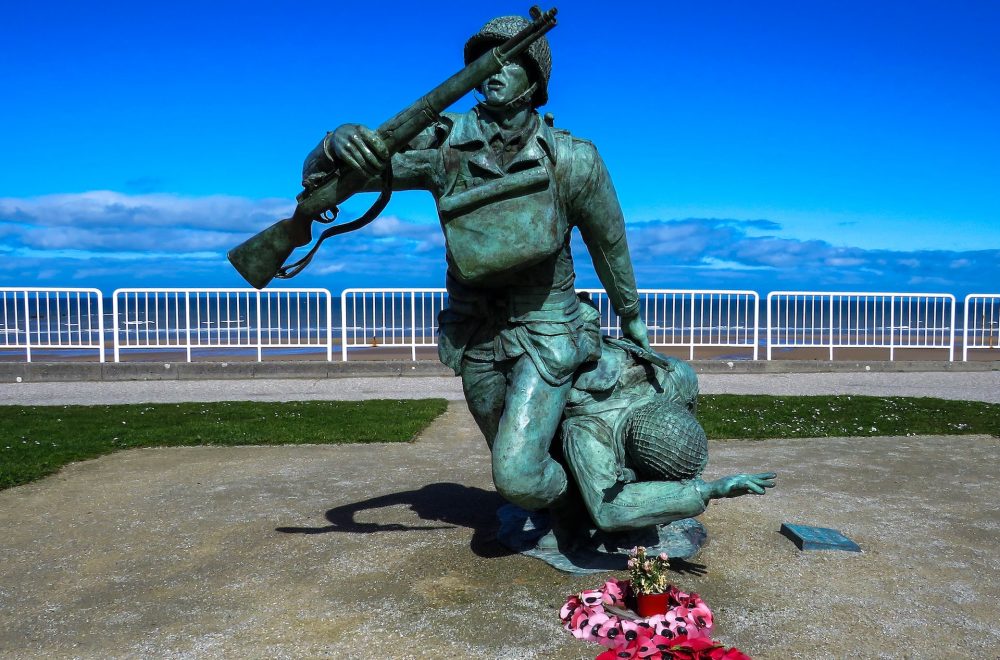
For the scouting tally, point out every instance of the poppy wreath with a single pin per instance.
(683, 632)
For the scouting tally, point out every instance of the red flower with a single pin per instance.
(614, 592)
(620, 653)
(653, 647)
(567, 610)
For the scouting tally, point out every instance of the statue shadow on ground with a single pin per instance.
(453, 504)
(685, 567)
(597, 551)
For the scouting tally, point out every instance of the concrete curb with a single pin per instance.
(39, 372)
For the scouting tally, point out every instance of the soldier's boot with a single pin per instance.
(570, 526)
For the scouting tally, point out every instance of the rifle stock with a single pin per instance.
(260, 258)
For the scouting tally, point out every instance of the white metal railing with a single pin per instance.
(187, 319)
(798, 319)
(51, 318)
(404, 318)
(408, 317)
(690, 317)
(981, 324)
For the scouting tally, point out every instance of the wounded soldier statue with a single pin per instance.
(635, 452)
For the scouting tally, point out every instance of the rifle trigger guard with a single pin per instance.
(327, 216)
(290, 271)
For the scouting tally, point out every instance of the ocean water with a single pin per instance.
(286, 318)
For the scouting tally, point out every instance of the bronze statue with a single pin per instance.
(509, 188)
(635, 453)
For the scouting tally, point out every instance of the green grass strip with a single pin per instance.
(38, 440)
(754, 417)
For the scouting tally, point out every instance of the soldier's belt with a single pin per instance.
(558, 303)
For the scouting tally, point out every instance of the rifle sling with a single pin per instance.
(290, 271)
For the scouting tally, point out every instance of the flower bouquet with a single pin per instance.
(648, 579)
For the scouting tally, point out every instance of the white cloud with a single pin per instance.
(329, 269)
(109, 238)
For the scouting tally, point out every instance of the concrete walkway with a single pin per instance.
(376, 551)
(966, 385)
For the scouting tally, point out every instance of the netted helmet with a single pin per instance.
(539, 56)
(664, 442)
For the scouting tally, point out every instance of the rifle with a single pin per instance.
(259, 259)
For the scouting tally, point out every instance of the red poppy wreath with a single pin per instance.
(684, 631)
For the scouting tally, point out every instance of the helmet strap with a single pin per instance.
(523, 99)
(520, 101)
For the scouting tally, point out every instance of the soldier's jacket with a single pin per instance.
(507, 219)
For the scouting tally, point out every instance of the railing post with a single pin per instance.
(187, 322)
(965, 329)
(756, 323)
(951, 338)
(27, 327)
(691, 351)
(329, 325)
(892, 328)
(116, 322)
(260, 348)
(100, 325)
(768, 337)
(343, 325)
(413, 325)
(831, 327)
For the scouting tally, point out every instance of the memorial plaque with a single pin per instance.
(818, 538)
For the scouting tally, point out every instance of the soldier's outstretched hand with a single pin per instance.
(360, 148)
(635, 329)
(743, 484)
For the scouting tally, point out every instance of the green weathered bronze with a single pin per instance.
(510, 188)
(259, 259)
(632, 443)
(635, 453)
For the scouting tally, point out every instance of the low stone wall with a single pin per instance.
(125, 371)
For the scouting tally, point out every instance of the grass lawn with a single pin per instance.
(754, 417)
(38, 440)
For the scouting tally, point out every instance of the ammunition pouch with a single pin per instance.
(502, 225)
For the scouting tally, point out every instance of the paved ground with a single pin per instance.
(376, 551)
(970, 385)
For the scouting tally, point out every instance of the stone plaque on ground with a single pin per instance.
(818, 538)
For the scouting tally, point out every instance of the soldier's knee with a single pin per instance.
(529, 486)
(522, 494)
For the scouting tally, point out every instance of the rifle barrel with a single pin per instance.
(407, 124)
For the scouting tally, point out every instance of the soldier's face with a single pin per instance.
(505, 86)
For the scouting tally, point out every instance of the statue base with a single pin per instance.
(595, 551)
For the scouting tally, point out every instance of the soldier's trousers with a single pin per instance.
(519, 413)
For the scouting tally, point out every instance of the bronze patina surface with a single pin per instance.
(510, 188)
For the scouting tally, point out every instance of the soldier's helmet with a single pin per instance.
(682, 385)
(539, 55)
(664, 442)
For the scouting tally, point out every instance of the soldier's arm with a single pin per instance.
(616, 505)
(358, 147)
(593, 207)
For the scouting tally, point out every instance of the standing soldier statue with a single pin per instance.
(509, 189)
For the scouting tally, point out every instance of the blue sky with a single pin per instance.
(766, 145)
